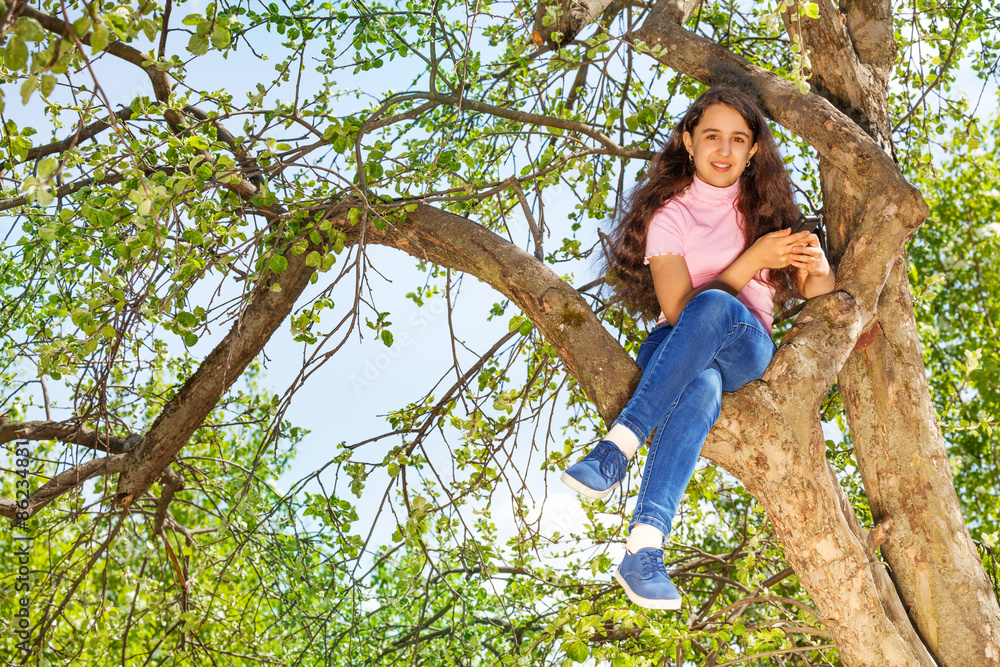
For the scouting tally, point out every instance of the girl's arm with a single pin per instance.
(672, 281)
(815, 276)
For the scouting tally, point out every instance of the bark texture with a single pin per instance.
(901, 454)
(907, 474)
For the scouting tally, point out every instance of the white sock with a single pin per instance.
(643, 535)
(624, 439)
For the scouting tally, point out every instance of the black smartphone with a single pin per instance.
(807, 223)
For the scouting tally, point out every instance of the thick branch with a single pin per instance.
(606, 373)
(63, 432)
(82, 133)
(813, 118)
(159, 79)
(183, 414)
(869, 23)
(66, 481)
(837, 72)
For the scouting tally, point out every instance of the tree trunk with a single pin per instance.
(900, 452)
(907, 475)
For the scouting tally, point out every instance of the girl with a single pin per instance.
(712, 221)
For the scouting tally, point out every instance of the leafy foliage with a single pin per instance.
(442, 541)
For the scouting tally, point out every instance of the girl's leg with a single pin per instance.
(674, 451)
(714, 328)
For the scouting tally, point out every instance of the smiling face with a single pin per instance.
(721, 145)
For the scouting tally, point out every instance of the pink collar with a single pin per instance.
(712, 194)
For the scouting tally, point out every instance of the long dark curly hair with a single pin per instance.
(765, 200)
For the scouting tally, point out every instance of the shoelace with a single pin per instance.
(613, 462)
(652, 564)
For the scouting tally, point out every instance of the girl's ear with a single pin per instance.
(688, 143)
(753, 151)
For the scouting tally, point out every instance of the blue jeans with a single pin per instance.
(716, 346)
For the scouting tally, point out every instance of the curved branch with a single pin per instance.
(82, 133)
(835, 136)
(66, 481)
(67, 432)
(159, 79)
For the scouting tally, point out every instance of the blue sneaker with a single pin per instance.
(645, 580)
(598, 473)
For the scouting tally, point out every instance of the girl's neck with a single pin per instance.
(704, 190)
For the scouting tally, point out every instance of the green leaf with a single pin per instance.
(190, 339)
(47, 234)
(48, 84)
(15, 56)
(44, 196)
(28, 87)
(577, 651)
(387, 338)
(277, 264)
(341, 144)
(220, 38)
(47, 167)
(149, 29)
(81, 26)
(198, 45)
(515, 323)
(29, 29)
(313, 258)
(98, 38)
(197, 142)
(812, 10)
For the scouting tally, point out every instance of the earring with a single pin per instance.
(749, 163)
(690, 157)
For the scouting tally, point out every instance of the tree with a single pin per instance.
(126, 215)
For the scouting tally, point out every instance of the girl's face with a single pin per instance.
(721, 145)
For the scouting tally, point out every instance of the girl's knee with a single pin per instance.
(705, 393)
(711, 304)
(716, 298)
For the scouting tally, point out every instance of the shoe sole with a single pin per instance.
(584, 490)
(647, 603)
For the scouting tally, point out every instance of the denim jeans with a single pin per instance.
(717, 345)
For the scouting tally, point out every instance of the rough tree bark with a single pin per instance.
(901, 453)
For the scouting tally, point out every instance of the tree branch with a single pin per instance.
(835, 136)
(67, 432)
(159, 79)
(65, 481)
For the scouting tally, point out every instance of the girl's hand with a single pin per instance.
(775, 249)
(809, 258)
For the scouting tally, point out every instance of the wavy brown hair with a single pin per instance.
(765, 200)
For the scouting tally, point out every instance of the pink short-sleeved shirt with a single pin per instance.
(703, 225)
